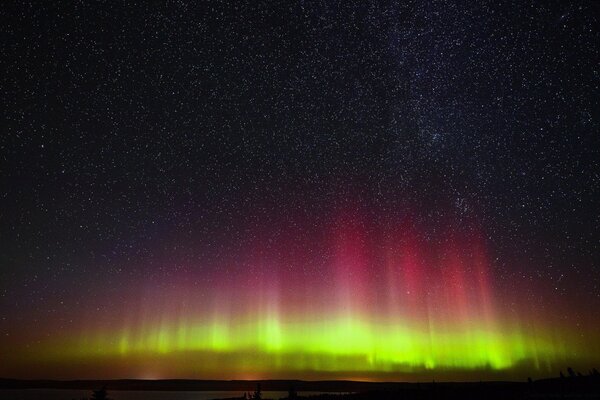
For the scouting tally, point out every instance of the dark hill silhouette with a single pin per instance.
(574, 386)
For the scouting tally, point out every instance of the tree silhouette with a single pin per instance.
(100, 394)
(257, 393)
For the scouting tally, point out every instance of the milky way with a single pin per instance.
(300, 190)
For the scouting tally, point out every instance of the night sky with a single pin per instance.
(333, 189)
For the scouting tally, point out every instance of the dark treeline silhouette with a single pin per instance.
(572, 385)
(575, 386)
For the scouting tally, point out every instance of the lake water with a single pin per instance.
(62, 394)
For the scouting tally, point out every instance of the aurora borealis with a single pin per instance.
(300, 191)
(385, 301)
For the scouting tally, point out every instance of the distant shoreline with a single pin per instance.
(572, 386)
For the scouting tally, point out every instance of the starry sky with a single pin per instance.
(302, 189)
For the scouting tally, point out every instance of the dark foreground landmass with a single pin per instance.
(574, 387)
